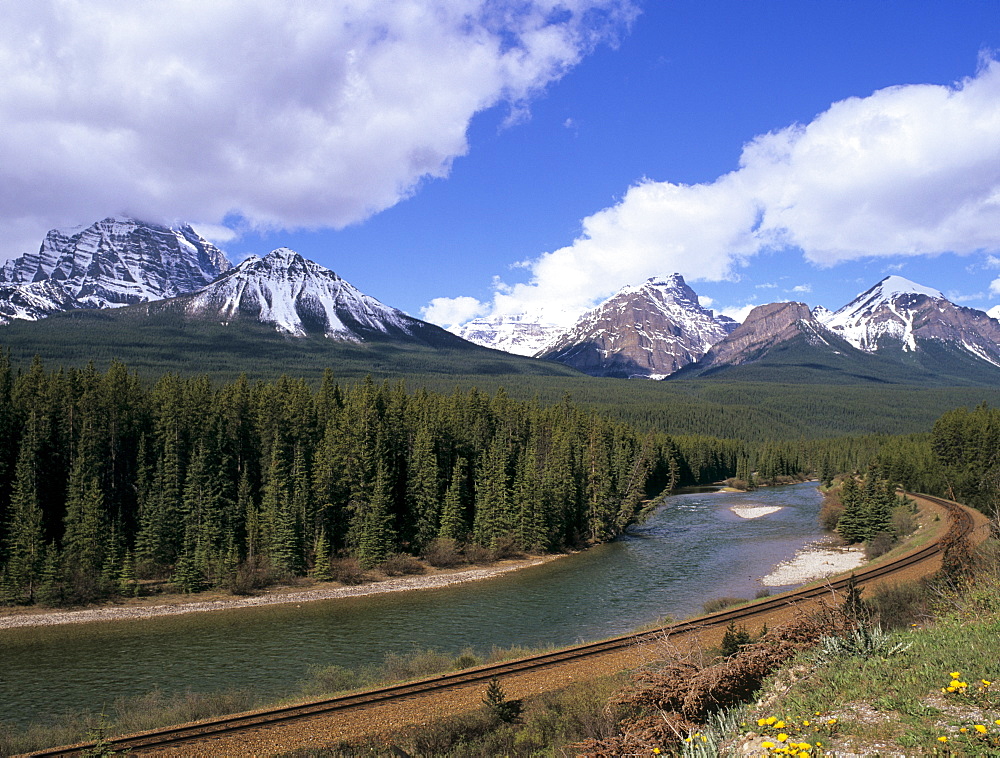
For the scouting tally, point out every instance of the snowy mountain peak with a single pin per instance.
(898, 312)
(299, 297)
(116, 261)
(520, 334)
(651, 331)
(893, 286)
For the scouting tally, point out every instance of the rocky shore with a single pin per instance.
(124, 612)
(813, 562)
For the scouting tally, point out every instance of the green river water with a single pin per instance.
(692, 549)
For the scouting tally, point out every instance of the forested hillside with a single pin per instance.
(104, 479)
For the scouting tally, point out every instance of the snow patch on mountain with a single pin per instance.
(114, 262)
(522, 334)
(298, 297)
(648, 330)
(886, 311)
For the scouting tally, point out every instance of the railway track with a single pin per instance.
(960, 527)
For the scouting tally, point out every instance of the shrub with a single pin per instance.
(506, 547)
(477, 554)
(251, 575)
(401, 564)
(443, 553)
(899, 605)
(879, 545)
(347, 571)
(830, 511)
(720, 604)
(903, 521)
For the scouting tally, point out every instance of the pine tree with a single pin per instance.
(24, 546)
(376, 536)
(453, 524)
(851, 525)
(321, 559)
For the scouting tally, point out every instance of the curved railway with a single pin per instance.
(961, 527)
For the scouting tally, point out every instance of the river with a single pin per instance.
(692, 549)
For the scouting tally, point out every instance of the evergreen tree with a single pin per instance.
(851, 526)
(376, 536)
(453, 523)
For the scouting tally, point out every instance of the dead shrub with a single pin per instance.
(672, 700)
(250, 576)
(506, 547)
(477, 554)
(879, 545)
(830, 511)
(347, 571)
(443, 553)
(401, 564)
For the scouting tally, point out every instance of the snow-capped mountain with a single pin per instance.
(650, 330)
(114, 262)
(299, 297)
(899, 314)
(522, 334)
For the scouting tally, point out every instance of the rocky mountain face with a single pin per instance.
(897, 314)
(115, 262)
(522, 334)
(299, 297)
(766, 327)
(647, 331)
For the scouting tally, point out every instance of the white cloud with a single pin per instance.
(306, 114)
(705, 301)
(449, 311)
(802, 288)
(908, 170)
(738, 312)
(957, 297)
(995, 286)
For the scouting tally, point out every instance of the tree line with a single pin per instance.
(106, 480)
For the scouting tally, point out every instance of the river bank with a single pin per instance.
(154, 607)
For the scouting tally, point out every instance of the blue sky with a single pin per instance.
(619, 114)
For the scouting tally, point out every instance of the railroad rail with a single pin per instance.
(960, 528)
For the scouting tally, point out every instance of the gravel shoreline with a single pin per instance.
(814, 562)
(125, 612)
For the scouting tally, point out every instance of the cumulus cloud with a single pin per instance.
(306, 114)
(908, 170)
(451, 311)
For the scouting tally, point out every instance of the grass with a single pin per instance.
(905, 703)
(153, 710)
(547, 725)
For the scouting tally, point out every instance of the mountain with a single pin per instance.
(902, 317)
(522, 334)
(785, 342)
(650, 331)
(114, 262)
(299, 297)
(280, 314)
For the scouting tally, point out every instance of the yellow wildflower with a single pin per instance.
(963, 730)
(955, 674)
(782, 737)
(761, 722)
(805, 723)
(942, 739)
(981, 729)
(997, 722)
(770, 720)
(780, 725)
(767, 744)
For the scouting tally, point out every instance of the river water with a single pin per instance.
(692, 549)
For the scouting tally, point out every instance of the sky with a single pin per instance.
(456, 158)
